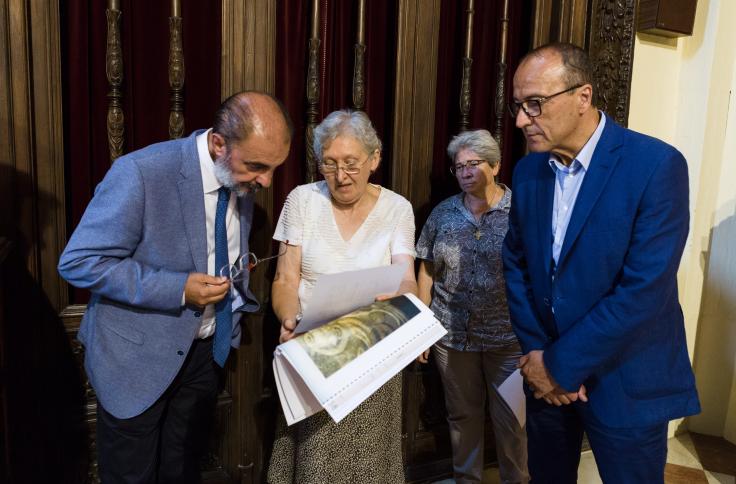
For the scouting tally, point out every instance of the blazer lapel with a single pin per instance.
(545, 201)
(191, 198)
(601, 166)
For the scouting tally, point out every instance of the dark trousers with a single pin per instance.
(623, 456)
(165, 443)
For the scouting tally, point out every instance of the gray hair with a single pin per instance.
(355, 124)
(480, 142)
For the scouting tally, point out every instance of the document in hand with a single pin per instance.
(341, 363)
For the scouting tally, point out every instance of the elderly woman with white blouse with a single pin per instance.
(339, 224)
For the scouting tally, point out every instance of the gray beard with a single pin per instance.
(224, 175)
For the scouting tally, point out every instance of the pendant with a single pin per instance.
(477, 234)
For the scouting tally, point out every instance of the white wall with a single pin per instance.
(684, 92)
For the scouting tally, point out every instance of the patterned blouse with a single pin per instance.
(469, 294)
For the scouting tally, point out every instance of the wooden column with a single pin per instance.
(465, 99)
(359, 66)
(312, 92)
(176, 72)
(416, 74)
(114, 71)
(501, 76)
(248, 62)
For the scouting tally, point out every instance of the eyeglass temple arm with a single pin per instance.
(256, 260)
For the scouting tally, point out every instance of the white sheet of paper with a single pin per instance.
(337, 294)
(512, 392)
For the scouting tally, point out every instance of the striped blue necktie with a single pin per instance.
(223, 309)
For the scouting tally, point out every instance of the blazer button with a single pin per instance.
(547, 301)
(197, 314)
(180, 352)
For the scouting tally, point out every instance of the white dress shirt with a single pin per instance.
(568, 180)
(211, 185)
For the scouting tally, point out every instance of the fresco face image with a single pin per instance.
(339, 342)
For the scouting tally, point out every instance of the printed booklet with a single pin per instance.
(339, 364)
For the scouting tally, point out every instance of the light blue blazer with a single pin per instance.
(610, 317)
(140, 237)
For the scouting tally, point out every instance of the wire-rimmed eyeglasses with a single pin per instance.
(247, 263)
(456, 168)
(533, 107)
(350, 167)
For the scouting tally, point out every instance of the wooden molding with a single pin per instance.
(248, 62)
(31, 138)
(416, 69)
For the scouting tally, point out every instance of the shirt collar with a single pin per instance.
(210, 183)
(585, 155)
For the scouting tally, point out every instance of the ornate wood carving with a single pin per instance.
(176, 73)
(467, 64)
(312, 93)
(114, 71)
(500, 110)
(612, 52)
(608, 36)
(359, 67)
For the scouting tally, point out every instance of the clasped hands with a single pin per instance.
(543, 385)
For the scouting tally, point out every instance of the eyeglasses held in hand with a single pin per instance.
(533, 107)
(470, 164)
(247, 262)
(350, 167)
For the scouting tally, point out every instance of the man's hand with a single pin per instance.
(535, 373)
(559, 396)
(424, 357)
(543, 384)
(287, 329)
(202, 289)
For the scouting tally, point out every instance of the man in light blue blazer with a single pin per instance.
(597, 227)
(161, 320)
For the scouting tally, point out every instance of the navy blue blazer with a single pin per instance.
(610, 316)
(139, 238)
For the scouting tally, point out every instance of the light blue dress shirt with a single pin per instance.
(568, 180)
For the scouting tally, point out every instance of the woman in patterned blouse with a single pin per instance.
(461, 279)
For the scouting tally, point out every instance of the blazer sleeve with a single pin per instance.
(648, 277)
(524, 318)
(99, 255)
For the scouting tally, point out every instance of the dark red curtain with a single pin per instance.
(338, 25)
(486, 55)
(145, 46)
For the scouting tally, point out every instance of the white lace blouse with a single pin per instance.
(307, 220)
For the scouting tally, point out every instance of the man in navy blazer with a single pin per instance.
(145, 248)
(597, 227)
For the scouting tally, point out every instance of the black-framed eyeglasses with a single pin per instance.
(246, 263)
(456, 168)
(533, 107)
(351, 167)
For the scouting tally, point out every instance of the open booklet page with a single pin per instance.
(356, 288)
(341, 363)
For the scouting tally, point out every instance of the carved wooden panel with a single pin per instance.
(114, 71)
(312, 92)
(176, 73)
(611, 48)
(608, 38)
